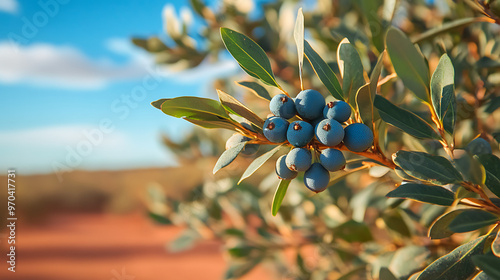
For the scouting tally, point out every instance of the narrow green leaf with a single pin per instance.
(375, 75)
(159, 219)
(237, 270)
(369, 9)
(249, 55)
(441, 226)
(472, 219)
(447, 27)
(324, 72)
(409, 63)
(386, 274)
(194, 108)
(404, 119)
(236, 107)
(482, 276)
(240, 251)
(185, 241)
(157, 104)
(495, 245)
(257, 89)
(228, 156)
(471, 168)
(491, 165)
(279, 195)
(395, 222)
(434, 169)
(407, 260)
(424, 193)
(443, 93)
(351, 70)
(257, 163)
(364, 105)
(298, 35)
(352, 231)
(212, 123)
(455, 265)
(490, 265)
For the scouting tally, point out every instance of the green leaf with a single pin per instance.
(249, 55)
(257, 163)
(194, 108)
(490, 264)
(404, 119)
(375, 75)
(240, 251)
(352, 231)
(455, 265)
(395, 222)
(236, 271)
(364, 104)
(424, 193)
(491, 165)
(441, 226)
(212, 123)
(185, 241)
(323, 71)
(159, 219)
(482, 276)
(377, 29)
(228, 156)
(409, 63)
(279, 195)
(257, 89)
(407, 260)
(298, 35)
(471, 168)
(495, 245)
(386, 274)
(351, 70)
(434, 169)
(234, 106)
(447, 27)
(443, 93)
(157, 104)
(472, 219)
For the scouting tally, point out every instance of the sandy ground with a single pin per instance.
(111, 247)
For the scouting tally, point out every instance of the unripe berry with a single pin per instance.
(237, 138)
(299, 133)
(275, 129)
(283, 171)
(298, 159)
(282, 106)
(358, 137)
(316, 178)
(337, 110)
(479, 146)
(332, 159)
(329, 132)
(309, 104)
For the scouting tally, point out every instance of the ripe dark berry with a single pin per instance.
(337, 110)
(275, 129)
(332, 159)
(329, 132)
(358, 137)
(479, 146)
(298, 159)
(237, 138)
(300, 133)
(282, 106)
(309, 104)
(283, 171)
(316, 178)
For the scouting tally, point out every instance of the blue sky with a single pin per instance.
(76, 92)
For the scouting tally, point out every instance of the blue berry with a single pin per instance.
(283, 171)
(237, 138)
(298, 159)
(275, 129)
(316, 178)
(332, 159)
(479, 146)
(337, 110)
(329, 132)
(282, 106)
(309, 104)
(358, 137)
(300, 133)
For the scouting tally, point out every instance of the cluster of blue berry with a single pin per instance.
(319, 121)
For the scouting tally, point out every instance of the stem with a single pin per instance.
(488, 204)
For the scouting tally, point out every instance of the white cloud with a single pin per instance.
(9, 6)
(61, 66)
